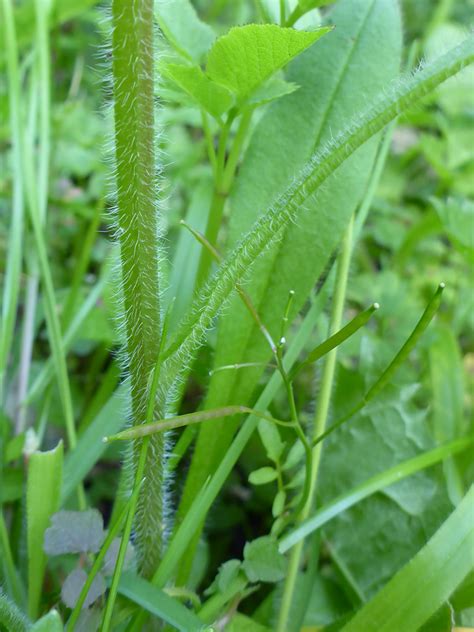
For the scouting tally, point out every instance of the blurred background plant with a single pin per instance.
(420, 231)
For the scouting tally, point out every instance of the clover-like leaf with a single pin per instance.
(73, 585)
(74, 532)
(262, 560)
(247, 55)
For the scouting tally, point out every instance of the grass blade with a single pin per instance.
(427, 581)
(42, 501)
(159, 603)
(14, 257)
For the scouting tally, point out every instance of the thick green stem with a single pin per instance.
(320, 422)
(137, 228)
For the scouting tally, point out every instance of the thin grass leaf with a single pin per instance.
(371, 486)
(42, 501)
(158, 603)
(14, 256)
(11, 576)
(46, 373)
(416, 592)
(36, 208)
(90, 447)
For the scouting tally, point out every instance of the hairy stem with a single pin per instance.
(137, 227)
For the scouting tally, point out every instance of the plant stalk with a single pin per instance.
(320, 422)
(137, 229)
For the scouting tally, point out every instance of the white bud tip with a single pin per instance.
(376, 305)
(105, 440)
(283, 340)
(442, 286)
(292, 292)
(182, 222)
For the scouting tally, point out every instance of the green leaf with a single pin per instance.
(262, 560)
(42, 501)
(457, 216)
(90, 447)
(227, 573)
(278, 503)
(391, 431)
(159, 603)
(375, 484)
(74, 532)
(427, 581)
(271, 90)
(50, 622)
(207, 94)
(183, 29)
(241, 623)
(263, 476)
(295, 456)
(271, 439)
(247, 55)
(447, 380)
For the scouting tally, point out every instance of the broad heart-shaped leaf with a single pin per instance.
(183, 29)
(247, 55)
(262, 560)
(332, 86)
(74, 532)
(427, 581)
(380, 534)
(207, 94)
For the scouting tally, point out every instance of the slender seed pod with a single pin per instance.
(137, 235)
